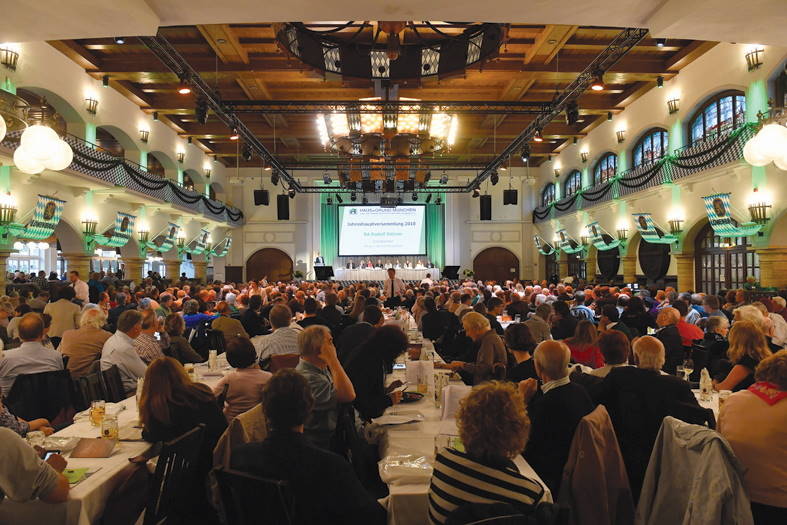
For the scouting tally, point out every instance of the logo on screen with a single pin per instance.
(353, 211)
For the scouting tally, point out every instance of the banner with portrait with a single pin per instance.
(201, 242)
(597, 233)
(650, 231)
(567, 243)
(121, 233)
(167, 238)
(221, 249)
(543, 247)
(46, 216)
(719, 212)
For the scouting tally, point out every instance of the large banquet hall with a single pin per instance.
(393, 263)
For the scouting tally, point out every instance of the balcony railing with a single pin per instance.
(94, 162)
(713, 151)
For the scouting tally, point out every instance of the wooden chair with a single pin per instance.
(281, 361)
(174, 479)
(113, 385)
(243, 495)
(45, 394)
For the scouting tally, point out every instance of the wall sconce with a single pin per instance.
(673, 105)
(583, 155)
(181, 238)
(9, 55)
(143, 233)
(91, 105)
(759, 204)
(181, 155)
(675, 226)
(105, 81)
(144, 135)
(89, 224)
(584, 240)
(621, 134)
(8, 208)
(207, 171)
(754, 58)
(557, 173)
(623, 233)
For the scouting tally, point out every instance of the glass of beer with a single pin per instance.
(98, 410)
(723, 395)
(109, 427)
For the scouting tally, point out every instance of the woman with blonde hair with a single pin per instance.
(584, 345)
(359, 303)
(493, 427)
(748, 347)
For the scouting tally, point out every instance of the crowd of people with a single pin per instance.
(316, 356)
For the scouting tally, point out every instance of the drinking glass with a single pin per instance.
(688, 368)
(723, 396)
(109, 427)
(679, 372)
(98, 410)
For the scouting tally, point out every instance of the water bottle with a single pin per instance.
(706, 385)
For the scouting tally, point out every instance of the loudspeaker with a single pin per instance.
(450, 272)
(323, 273)
(261, 198)
(509, 197)
(283, 207)
(486, 207)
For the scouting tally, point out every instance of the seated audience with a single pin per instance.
(494, 308)
(244, 385)
(669, 336)
(610, 320)
(331, 313)
(327, 380)
(24, 476)
(147, 346)
(563, 323)
(20, 426)
(615, 349)
(65, 314)
(193, 316)
(539, 325)
(368, 367)
(464, 305)
(753, 422)
(584, 345)
(119, 351)
(323, 484)
(31, 357)
(11, 329)
(283, 339)
(356, 334)
(715, 341)
(555, 414)
(637, 318)
(521, 345)
(83, 345)
(252, 320)
(747, 348)
(225, 324)
(689, 332)
(493, 427)
(491, 359)
(310, 310)
(179, 347)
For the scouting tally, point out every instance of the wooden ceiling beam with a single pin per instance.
(687, 55)
(76, 52)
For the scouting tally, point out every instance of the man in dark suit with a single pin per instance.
(554, 415)
(354, 335)
(319, 260)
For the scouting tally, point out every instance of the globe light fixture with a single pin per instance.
(41, 148)
(768, 145)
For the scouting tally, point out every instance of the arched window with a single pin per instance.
(548, 195)
(107, 142)
(573, 183)
(605, 168)
(722, 112)
(155, 167)
(211, 192)
(723, 263)
(188, 182)
(651, 147)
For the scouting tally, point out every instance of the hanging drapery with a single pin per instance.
(435, 232)
(543, 247)
(650, 231)
(719, 212)
(329, 229)
(567, 243)
(596, 234)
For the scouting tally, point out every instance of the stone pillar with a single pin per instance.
(3, 260)
(773, 266)
(200, 270)
(80, 262)
(172, 268)
(133, 268)
(685, 262)
(562, 262)
(591, 265)
(629, 263)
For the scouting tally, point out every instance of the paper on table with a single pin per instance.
(405, 469)
(398, 419)
(75, 475)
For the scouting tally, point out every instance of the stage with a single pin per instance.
(363, 274)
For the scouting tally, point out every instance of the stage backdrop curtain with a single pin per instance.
(435, 232)
(329, 229)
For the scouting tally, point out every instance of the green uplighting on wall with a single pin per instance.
(8, 86)
(675, 141)
(143, 160)
(5, 179)
(756, 99)
(90, 133)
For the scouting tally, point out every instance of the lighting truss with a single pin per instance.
(401, 107)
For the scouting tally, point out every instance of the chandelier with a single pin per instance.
(770, 142)
(373, 129)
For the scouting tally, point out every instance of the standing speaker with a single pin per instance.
(261, 198)
(283, 207)
(509, 197)
(486, 207)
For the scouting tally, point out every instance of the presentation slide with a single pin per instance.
(372, 230)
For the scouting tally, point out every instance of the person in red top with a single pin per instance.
(688, 332)
(584, 345)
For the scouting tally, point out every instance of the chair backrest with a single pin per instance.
(89, 388)
(113, 385)
(252, 500)
(172, 481)
(283, 361)
(41, 395)
(691, 413)
(216, 341)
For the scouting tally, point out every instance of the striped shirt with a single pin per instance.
(458, 479)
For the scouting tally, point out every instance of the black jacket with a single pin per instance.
(323, 484)
(366, 369)
(639, 321)
(352, 337)
(674, 353)
(554, 418)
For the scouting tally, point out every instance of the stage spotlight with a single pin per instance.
(525, 153)
(326, 179)
(184, 89)
(438, 201)
(660, 81)
(494, 178)
(609, 115)
(429, 198)
(246, 153)
(415, 196)
(444, 178)
(339, 198)
(275, 177)
(201, 110)
(120, 40)
(476, 193)
(597, 84)
(329, 201)
(353, 197)
(572, 113)
(234, 135)
(660, 42)
(291, 193)
(537, 136)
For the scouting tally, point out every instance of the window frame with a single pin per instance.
(598, 178)
(549, 188)
(572, 175)
(640, 145)
(717, 101)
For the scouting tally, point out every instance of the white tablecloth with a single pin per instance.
(409, 504)
(88, 498)
(344, 274)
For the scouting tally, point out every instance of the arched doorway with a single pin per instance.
(551, 266)
(495, 264)
(723, 263)
(270, 262)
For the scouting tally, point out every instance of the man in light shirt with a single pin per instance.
(283, 340)
(81, 289)
(119, 350)
(427, 280)
(31, 357)
(393, 289)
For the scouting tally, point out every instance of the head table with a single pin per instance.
(371, 274)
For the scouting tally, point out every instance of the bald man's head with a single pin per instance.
(649, 352)
(551, 360)
(31, 327)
